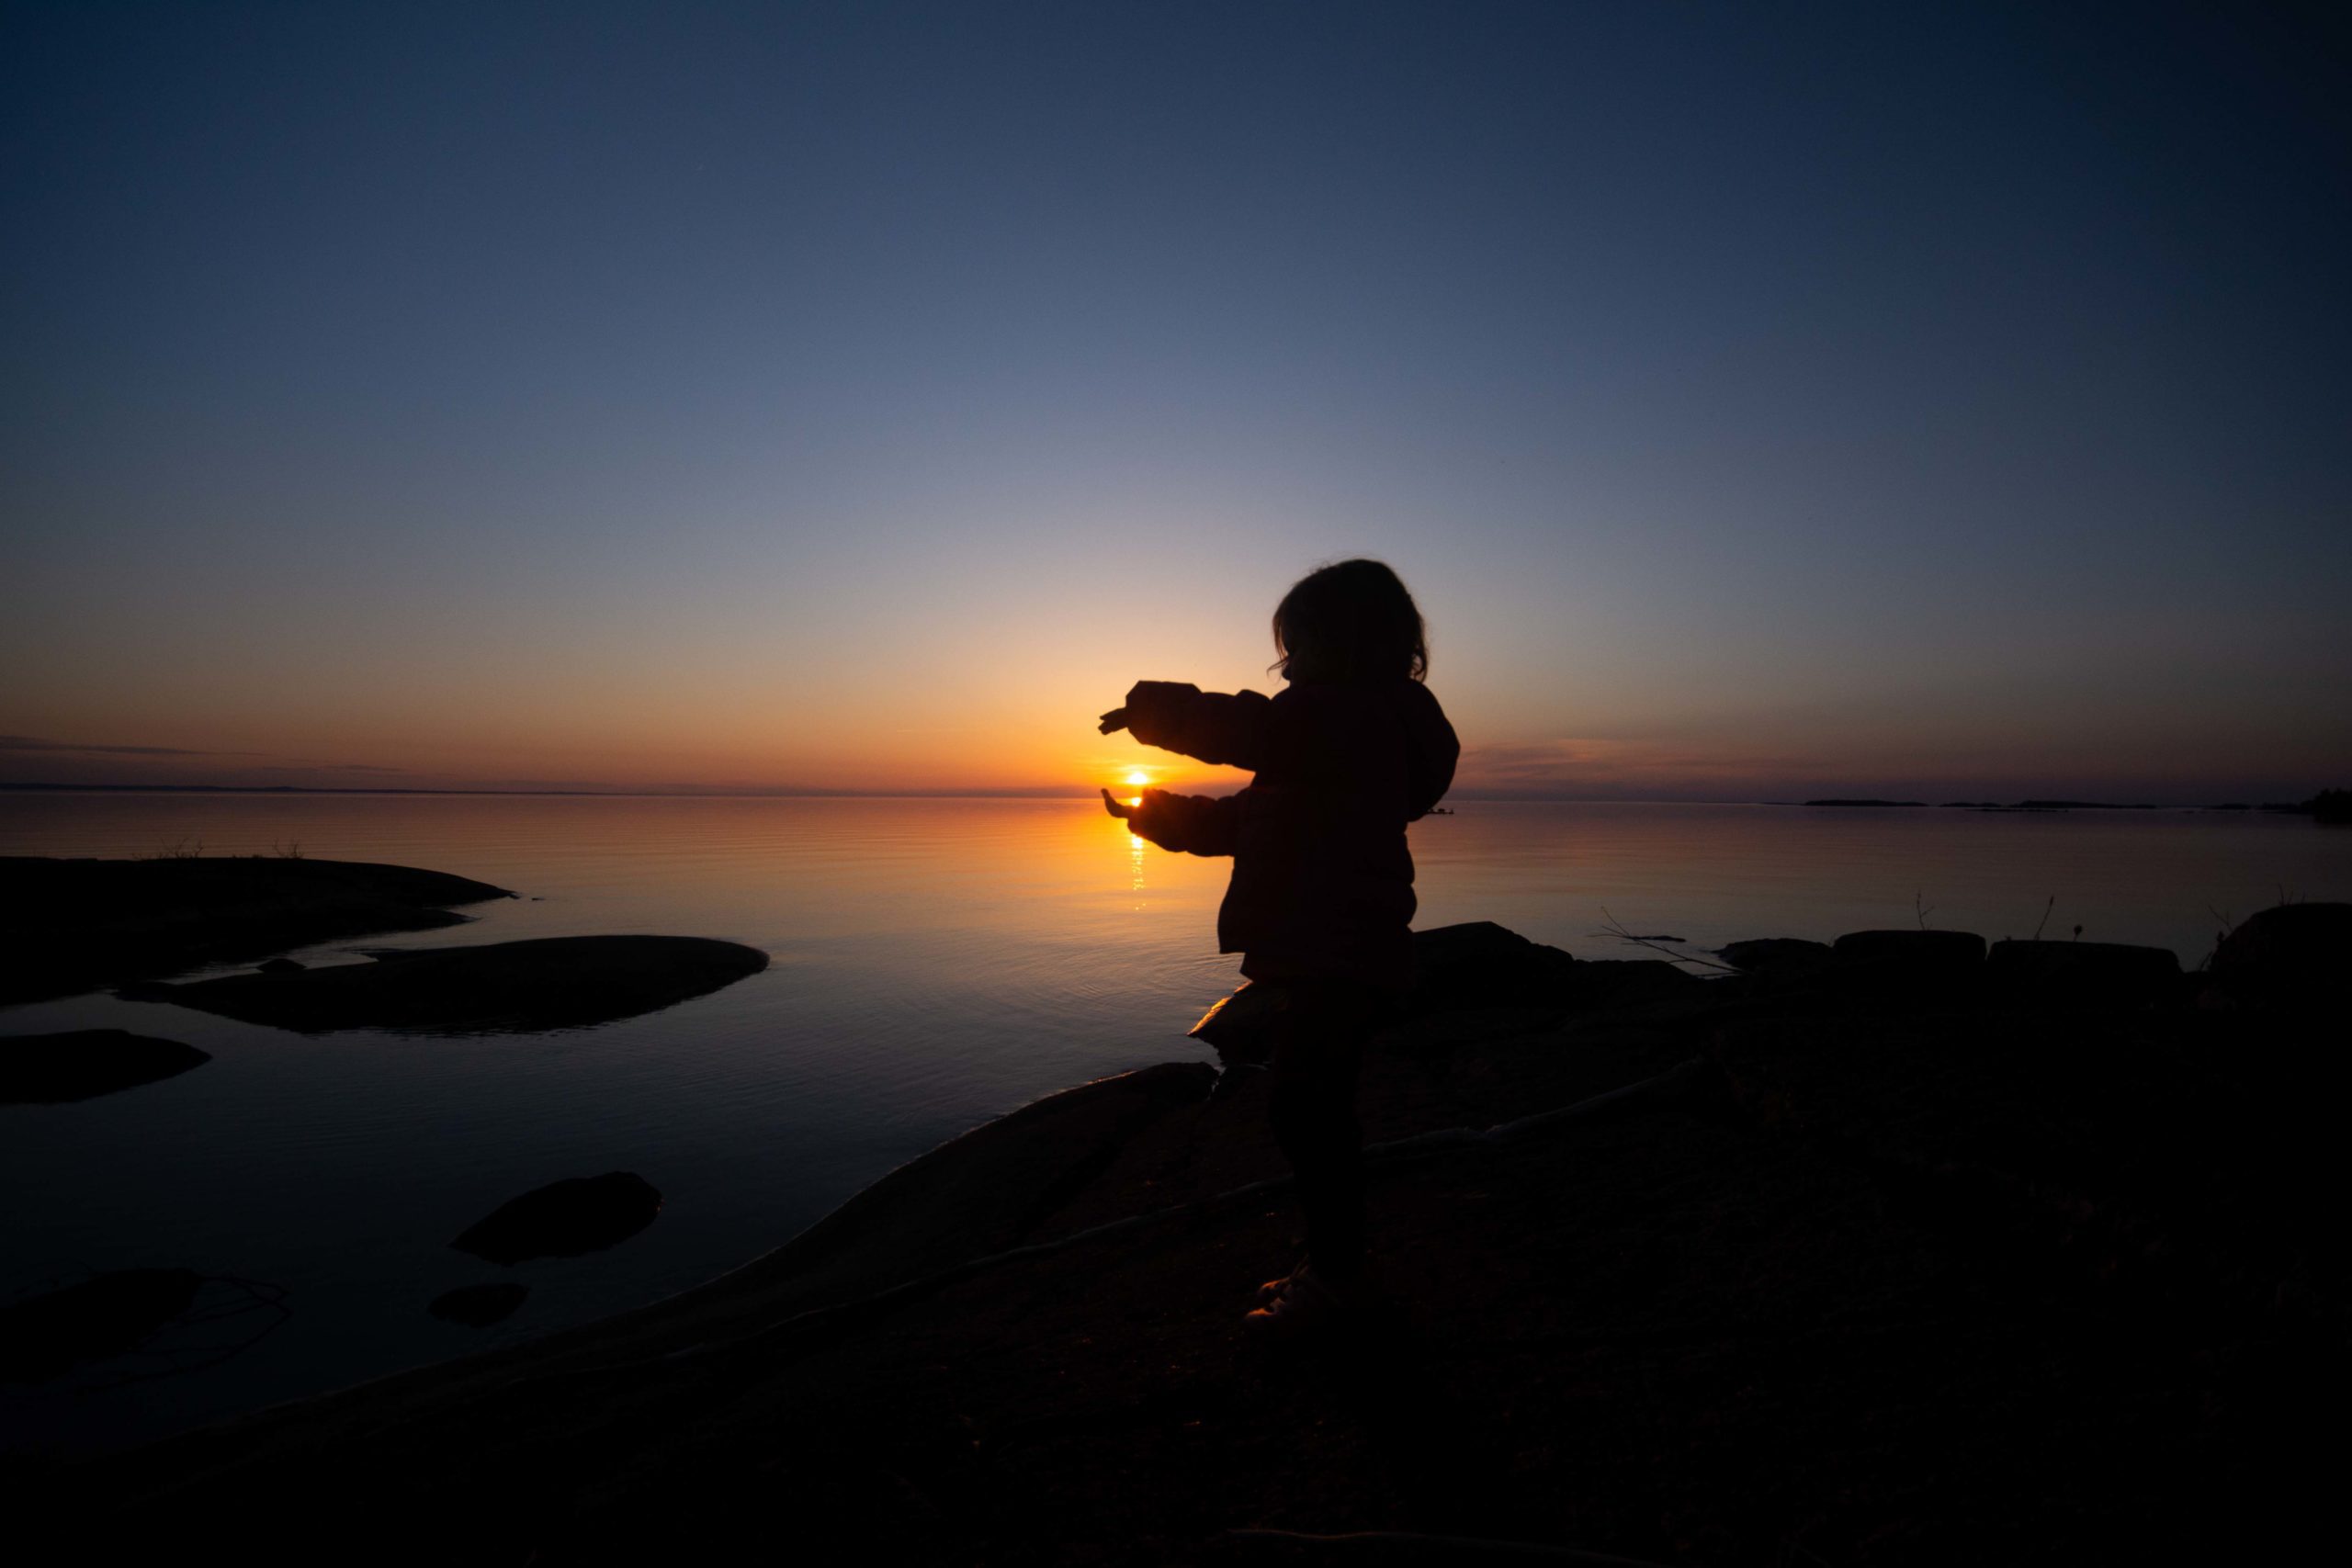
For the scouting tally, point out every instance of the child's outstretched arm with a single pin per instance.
(1190, 824)
(1210, 726)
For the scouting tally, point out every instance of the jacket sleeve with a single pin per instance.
(1210, 726)
(1431, 769)
(1190, 824)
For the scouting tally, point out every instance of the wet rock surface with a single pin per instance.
(79, 925)
(82, 1064)
(479, 1306)
(501, 987)
(100, 1316)
(564, 1219)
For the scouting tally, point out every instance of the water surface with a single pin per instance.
(934, 963)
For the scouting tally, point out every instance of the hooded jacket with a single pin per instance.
(1322, 881)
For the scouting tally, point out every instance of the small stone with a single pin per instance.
(564, 1219)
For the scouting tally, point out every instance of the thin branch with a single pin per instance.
(1616, 929)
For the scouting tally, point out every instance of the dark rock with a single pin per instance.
(564, 1219)
(78, 925)
(1004, 1183)
(479, 1306)
(1942, 952)
(102, 1315)
(1775, 954)
(2290, 956)
(1598, 984)
(82, 1064)
(1481, 963)
(2105, 972)
(1476, 964)
(509, 986)
(1241, 1027)
(278, 966)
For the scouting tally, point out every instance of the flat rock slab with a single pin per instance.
(504, 987)
(1003, 1184)
(1914, 949)
(82, 1064)
(102, 1315)
(2088, 971)
(79, 925)
(1776, 955)
(563, 1219)
(479, 1306)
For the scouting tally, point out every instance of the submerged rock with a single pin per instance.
(479, 1306)
(564, 1219)
(509, 986)
(82, 1064)
(102, 1315)
(77, 925)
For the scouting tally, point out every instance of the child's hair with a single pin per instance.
(1358, 620)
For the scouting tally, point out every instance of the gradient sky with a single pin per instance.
(1763, 400)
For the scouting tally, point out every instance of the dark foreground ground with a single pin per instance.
(1912, 1267)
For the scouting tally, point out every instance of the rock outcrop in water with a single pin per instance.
(564, 1219)
(102, 1315)
(82, 1064)
(79, 925)
(501, 987)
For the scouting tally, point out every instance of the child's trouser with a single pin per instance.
(1319, 1031)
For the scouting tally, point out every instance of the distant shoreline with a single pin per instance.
(1468, 797)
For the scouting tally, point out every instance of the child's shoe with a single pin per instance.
(1306, 1303)
(1269, 1293)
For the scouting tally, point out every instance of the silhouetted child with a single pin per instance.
(1321, 902)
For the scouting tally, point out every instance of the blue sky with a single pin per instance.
(1763, 400)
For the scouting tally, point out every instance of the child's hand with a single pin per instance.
(1116, 720)
(1116, 807)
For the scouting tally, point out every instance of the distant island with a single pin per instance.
(2331, 805)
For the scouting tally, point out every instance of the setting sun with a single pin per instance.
(1138, 778)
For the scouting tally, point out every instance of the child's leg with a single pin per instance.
(1318, 1048)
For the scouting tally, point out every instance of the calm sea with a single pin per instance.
(936, 963)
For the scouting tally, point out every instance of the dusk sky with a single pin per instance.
(1763, 400)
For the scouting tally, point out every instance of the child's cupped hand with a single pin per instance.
(1113, 720)
(1115, 806)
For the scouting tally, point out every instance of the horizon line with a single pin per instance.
(1486, 796)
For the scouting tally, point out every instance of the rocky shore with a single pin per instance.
(1889, 1250)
